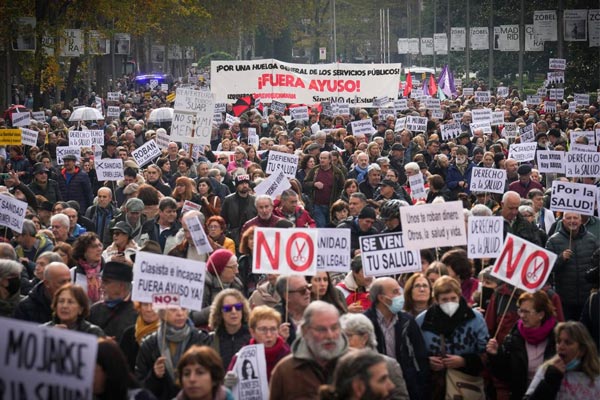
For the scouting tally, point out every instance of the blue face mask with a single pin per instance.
(397, 304)
(112, 303)
(573, 364)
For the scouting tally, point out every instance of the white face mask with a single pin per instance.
(449, 308)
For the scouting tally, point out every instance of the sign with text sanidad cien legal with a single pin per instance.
(522, 151)
(489, 180)
(62, 151)
(485, 236)
(285, 251)
(270, 79)
(386, 254)
(551, 161)
(573, 197)
(333, 250)
(251, 370)
(285, 162)
(433, 225)
(12, 213)
(159, 274)
(582, 164)
(523, 264)
(40, 362)
(146, 153)
(109, 169)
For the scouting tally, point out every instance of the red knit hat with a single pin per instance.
(218, 260)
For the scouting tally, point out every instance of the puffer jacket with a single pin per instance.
(79, 188)
(569, 275)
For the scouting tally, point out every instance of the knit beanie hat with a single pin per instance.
(218, 260)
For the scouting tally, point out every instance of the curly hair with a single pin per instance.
(215, 319)
(82, 243)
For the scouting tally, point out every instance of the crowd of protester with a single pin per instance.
(331, 335)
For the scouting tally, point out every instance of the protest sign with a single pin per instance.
(362, 127)
(480, 38)
(531, 42)
(488, 180)
(29, 137)
(39, 116)
(387, 254)
(582, 99)
(502, 91)
(557, 94)
(523, 264)
(468, 92)
(401, 104)
(437, 114)
(21, 119)
(432, 104)
(594, 28)
(417, 187)
(385, 112)
(163, 301)
(198, 234)
(299, 113)
(522, 151)
(273, 185)
(229, 120)
(485, 236)
(417, 93)
(381, 101)
(556, 77)
(334, 250)
(413, 46)
(146, 153)
(12, 213)
(402, 45)
(433, 225)
(457, 117)
(533, 100)
(527, 134)
(579, 164)
(589, 135)
(285, 251)
(497, 118)
(43, 362)
(510, 129)
(484, 126)
(277, 107)
(416, 124)
(580, 147)
(279, 161)
(440, 43)
(62, 151)
(85, 138)
(573, 197)
(458, 38)
(272, 79)
(113, 96)
(544, 25)
(557, 64)
(162, 139)
(450, 131)
(572, 106)
(506, 38)
(109, 169)
(189, 206)
(251, 370)
(550, 106)
(549, 161)
(71, 43)
(113, 111)
(159, 274)
(427, 46)
(575, 25)
(483, 96)
(340, 108)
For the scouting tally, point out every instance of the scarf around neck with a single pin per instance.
(142, 329)
(92, 273)
(537, 335)
(362, 172)
(179, 337)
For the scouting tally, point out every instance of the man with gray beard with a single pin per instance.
(314, 355)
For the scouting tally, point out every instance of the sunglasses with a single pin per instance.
(229, 307)
(301, 290)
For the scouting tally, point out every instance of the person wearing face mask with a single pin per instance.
(398, 335)
(574, 373)
(458, 178)
(10, 286)
(455, 335)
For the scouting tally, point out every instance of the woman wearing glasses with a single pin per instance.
(228, 320)
(530, 343)
(417, 294)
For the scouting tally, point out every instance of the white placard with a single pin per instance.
(450, 131)
(485, 236)
(488, 180)
(575, 25)
(109, 169)
(71, 43)
(189, 206)
(457, 117)
(427, 46)
(502, 91)
(432, 104)
(550, 106)
(433, 225)
(277, 107)
(21, 119)
(544, 25)
(400, 124)
(86, 138)
(299, 113)
(416, 124)
(590, 135)
(287, 251)
(510, 129)
(29, 137)
(340, 108)
(273, 185)
(480, 39)
(362, 127)
(285, 162)
(251, 370)
(523, 264)
(437, 114)
(533, 100)
(334, 250)
(402, 45)
(199, 237)
(113, 111)
(573, 197)
(594, 27)
(381, 101)
(497, 118)
(557, 64)
(580, 147)
(579, 164)
(387, 254)
(484, 126)
(12, 213)
(522, 151)
(401, 104)
(482, 115)
(582, 99)
(62, 151)
(413, 46)
(160, 274)
(527, 134)
(41, 362)
(549, 161)
(39, 116)
(417, 187)
(162, 139)
(113, 96)
(146, 153)
(440, 43)
(506, 37)
(483, 96)
(531, 42)
(458, 38)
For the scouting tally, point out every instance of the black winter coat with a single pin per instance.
(36, 307)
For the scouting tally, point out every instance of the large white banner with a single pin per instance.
(480, 38)
(71, 44)
(41, 362)
(532, 43)
(458, 38)
(440, 43)
(545, 25)
(427, 46)
(270, 79)
(575, 25)
(506, 38)
(402, 45)
(386, 254)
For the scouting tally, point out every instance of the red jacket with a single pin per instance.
(303, 218)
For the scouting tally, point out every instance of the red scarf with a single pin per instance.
(275, 353)
(92, 273)
(537, 335)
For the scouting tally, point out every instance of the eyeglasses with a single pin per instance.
(235, 266)
(214, 227)
(229, 307)
(264, 330)
(520, 311)
(301, 290)
(421, 286)
(321, 330)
